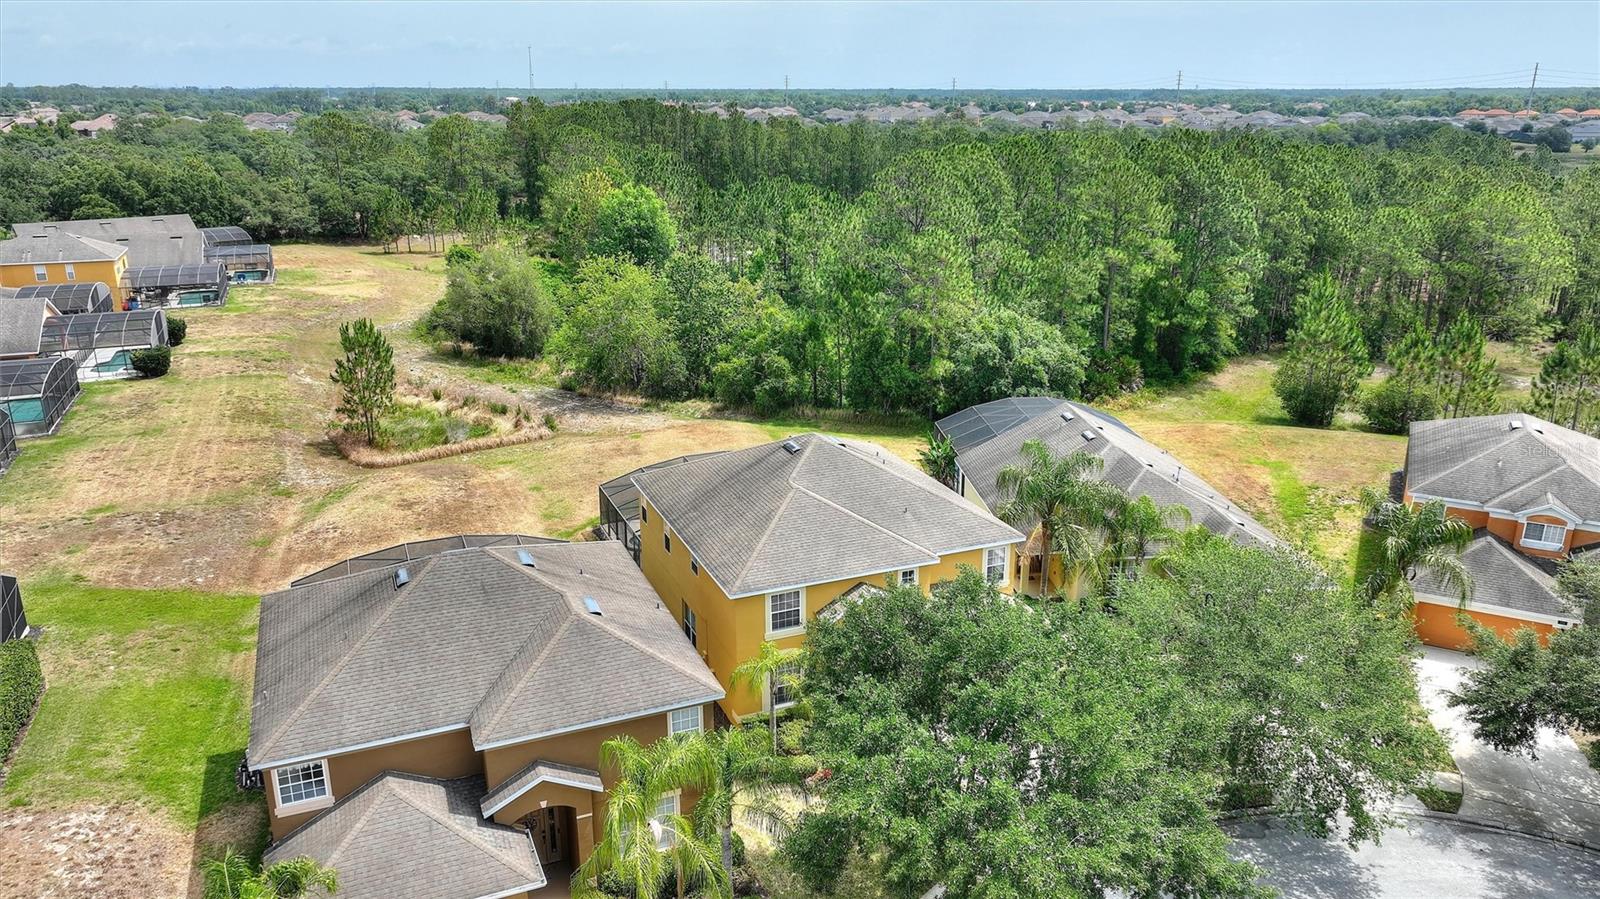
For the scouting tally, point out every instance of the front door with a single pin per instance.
(550, 834)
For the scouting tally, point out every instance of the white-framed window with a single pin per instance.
(783, 688)
(994, 564)
(694, 565)
(691, 626)
(908, 578)
(683, 721)
(785, 613)
(72, 273)
(1544, 536)
(40, 273)
(299, 785)
(665, 806)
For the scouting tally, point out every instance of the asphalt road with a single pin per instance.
(1429, 859)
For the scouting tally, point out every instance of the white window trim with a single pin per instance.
(691, 626)
(72, 273)
(1005, 565)
(282, 808)
(772, 683)
(41, 273)
(788, 631)
(1544, 544)
(699, 721)
(663, 842)
(916, 578)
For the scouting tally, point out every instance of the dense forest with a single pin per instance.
(880, 268)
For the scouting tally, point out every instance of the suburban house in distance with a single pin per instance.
(428, 723)
(747, 546)
(1531, 491)
(988, 438)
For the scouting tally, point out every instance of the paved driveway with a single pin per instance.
(1429, 859)
(1558, 793)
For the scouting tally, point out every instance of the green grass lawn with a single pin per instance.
(146, 700)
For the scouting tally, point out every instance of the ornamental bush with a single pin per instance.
(152, 362)
(21, 682)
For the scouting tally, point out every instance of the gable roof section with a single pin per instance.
(473, 640)
(1131, 463)
(22, 323)
(47, 248)
(1502, 577)
(1484, 462)
(537, 772)
(403, 836)
(764, 519)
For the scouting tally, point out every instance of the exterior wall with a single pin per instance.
(1510, 529)
(108, 272)
(442, 755)
(1436, 625)
(729, 631)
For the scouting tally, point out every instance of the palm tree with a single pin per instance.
(747, 786)
(1135, 524)
(762, 672)
(938, 458)
(1055, 495)
(233, 877)
(640, 848)
(1416, 539)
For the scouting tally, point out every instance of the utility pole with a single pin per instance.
(1180, 80)
(952, 85)
(530, 70)
(786, 90)
(1531, 86)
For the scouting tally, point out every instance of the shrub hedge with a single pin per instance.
(21, 681)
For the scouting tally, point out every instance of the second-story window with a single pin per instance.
(1544, 536)
(666, 540)
(908, 578)
(72, 273)
(691, 626)
(994, 565)
(40, 273)
(784, 612)
(683, 721)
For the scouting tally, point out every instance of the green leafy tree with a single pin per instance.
(1056, 497)
(1527, 683)
(1413, 539)
(1327, 357)
(365, 376)
(646, 852)
(1409, 394)
(233, 877)
(752, 778)
(1002, 751)
(633, 222)
(1135, 526)
(1293, 690)
(938, 458)
(1465, 376)
(1567, 388)
(614, 339)
(705, 310)
(497, 301)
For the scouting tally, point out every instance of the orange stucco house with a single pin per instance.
(1531, 491)
(427, 719)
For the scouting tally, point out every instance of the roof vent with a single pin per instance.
(591, 605)
(790, 447)
(1089, 434)
(1516, 424)
(402, 576)
(1066, 416)
(525, 559)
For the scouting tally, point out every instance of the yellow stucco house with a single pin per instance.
(747, 547)
(62, 259)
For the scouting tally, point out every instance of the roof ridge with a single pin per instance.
(925, 484)
(344, 660)
(1511, 436)
(533, 665)
(461, 834)
(766, 532)
(351, 831)
(616, 631)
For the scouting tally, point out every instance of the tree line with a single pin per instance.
(890, 268)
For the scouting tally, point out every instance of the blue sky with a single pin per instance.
(820, 45)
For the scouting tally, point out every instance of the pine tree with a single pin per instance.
(1327, 357)
(1567, 388)
(366, 374)
(1465, 377)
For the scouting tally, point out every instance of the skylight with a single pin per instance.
(402, 576)
(525, 558)
(590, 604)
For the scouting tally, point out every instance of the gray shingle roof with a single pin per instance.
(474, 639)
(990, 436)
(540, 771)
(22, 323)
(763, 518)
(111, 228)
(402, 836)
(1501, 576)
(56, 248)
(1484, 461)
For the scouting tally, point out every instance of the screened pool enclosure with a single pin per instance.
(13, 623)
(200, 284)
(37, 393)
(72, 299)
(244, 260)
(102, 344)
(8, 440)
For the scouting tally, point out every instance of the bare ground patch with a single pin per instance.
(119, 852)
